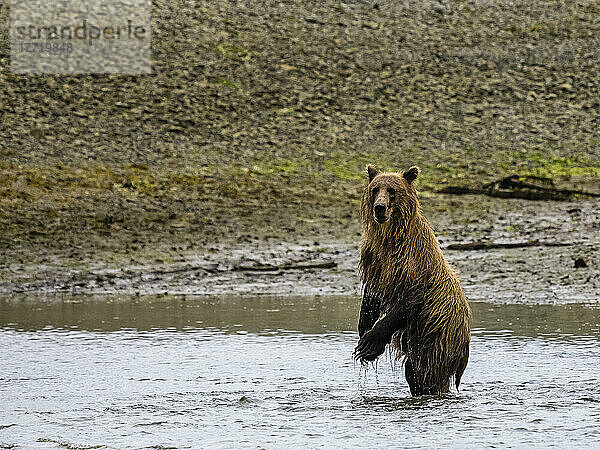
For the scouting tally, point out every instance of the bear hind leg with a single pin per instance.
(418, 384)
(415, 386)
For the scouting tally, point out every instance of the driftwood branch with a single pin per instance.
(483, 245)
(303, 265)
(514, 186)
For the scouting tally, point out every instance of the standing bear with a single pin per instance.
(412, 299)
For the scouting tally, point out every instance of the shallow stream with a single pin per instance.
(160, 372)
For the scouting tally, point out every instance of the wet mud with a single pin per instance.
(539, 252)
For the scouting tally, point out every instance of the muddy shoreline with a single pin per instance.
(547, 238)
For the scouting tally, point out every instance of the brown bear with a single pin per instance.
(412, 298)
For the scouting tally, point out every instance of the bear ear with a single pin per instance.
(411, 174)
(371, 172)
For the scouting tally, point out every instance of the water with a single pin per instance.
(277, 373)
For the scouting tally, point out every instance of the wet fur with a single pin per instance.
(402, 267)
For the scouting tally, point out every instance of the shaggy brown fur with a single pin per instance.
(412, 298)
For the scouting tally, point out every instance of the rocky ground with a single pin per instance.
(247, 141)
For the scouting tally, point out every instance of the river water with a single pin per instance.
(162, 372)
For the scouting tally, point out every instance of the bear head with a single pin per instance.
(389, 196)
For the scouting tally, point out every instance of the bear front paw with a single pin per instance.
(370, 346)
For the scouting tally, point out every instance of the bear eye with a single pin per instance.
(392, 191)
(374, 191)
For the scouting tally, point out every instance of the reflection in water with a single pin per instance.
(274, 372)
(268, 315)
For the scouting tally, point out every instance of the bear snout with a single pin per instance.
(380, 209)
